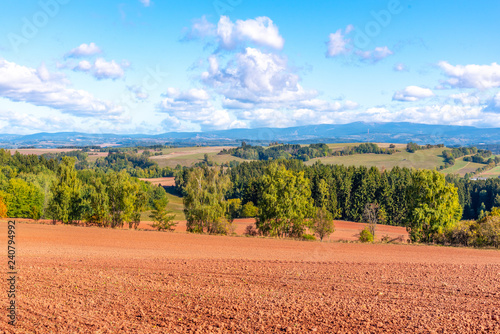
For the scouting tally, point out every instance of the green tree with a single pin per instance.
(285, 203)
(433, 205)
(163, 219)
(121, 197)
(23, 199)
(205, 204)
(65, 203)
(496, 202)
(249, 210)
(97, 204)
(234, 209)
(322, 223)
(3, 208)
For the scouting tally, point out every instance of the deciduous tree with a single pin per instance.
(433, 205)
(285, 203)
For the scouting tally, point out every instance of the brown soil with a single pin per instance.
(164, 181)
(90, 280)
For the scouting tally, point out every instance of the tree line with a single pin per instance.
(287, 197)
(54, 188)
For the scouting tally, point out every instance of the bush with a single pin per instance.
(251, 231)
(249, 210)
(488, 232)
(308, 237)
(461, 233)
(322, 223)
(366, 235)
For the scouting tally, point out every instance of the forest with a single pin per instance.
(401, 196)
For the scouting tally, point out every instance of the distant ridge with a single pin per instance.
(353, 132)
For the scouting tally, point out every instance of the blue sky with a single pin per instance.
(142, 66)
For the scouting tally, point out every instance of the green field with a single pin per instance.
(174, 204)
(430, 159)
(492, 173)
(188, 156)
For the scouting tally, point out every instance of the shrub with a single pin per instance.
(386, 238)
(249, 210)
(322, 223)
(366, 235)
(251, 231)
(460, 233)
(308, 237)
(488, 232)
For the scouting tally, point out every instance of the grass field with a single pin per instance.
(492, 173)
(420, 159)
(188, 156)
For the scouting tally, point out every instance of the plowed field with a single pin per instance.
(91, 280)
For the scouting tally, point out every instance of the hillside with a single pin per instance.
(325, 133)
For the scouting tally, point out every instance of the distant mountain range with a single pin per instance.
(325, 133)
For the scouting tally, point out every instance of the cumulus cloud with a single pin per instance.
(84, 50)
(340, 44)
(465, 99)
(189, 101)
(102, 69)
(230, 35)
(195, 106)
(471, 76)
(40, 87)
(412, 94)
(200, 29)
(256, 77)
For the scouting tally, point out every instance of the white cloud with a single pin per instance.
(84, 65)
(39, 87)
(107, 70)
(146, 3)
(230, 35)
(493, 104)
(194, 106)
(178, 102)
(471, 76)
(400, 67)
(102, 69)
(256, 77)
(412, 94)
(138, 92)
(375, 55)
(338, 44)
(84, 50)
(465, 99)
(200, 29)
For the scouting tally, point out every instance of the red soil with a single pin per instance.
(164, 181)
(91, 280)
